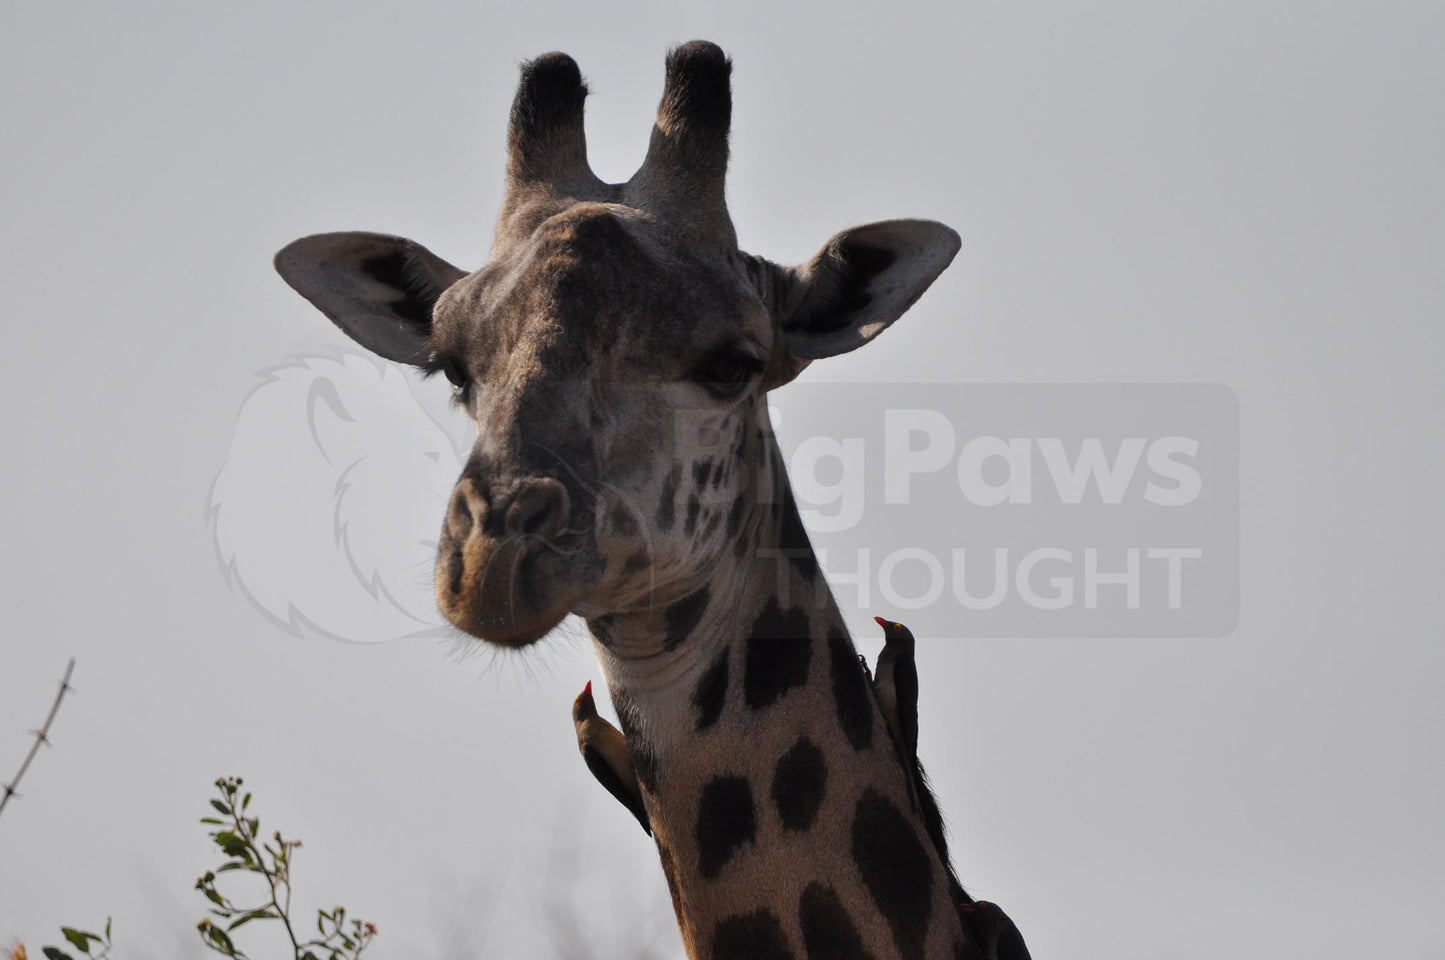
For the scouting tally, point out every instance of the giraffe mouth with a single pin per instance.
(513, 591)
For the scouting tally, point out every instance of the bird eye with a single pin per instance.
(726, 373)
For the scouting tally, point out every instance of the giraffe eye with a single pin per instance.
(454, 373)
(725, 373)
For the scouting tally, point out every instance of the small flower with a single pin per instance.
(17, 951)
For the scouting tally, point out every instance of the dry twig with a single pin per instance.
(41, 736)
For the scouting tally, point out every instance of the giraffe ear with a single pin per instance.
(378, 289)
(859, 283)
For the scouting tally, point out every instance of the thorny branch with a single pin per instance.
(41, 736)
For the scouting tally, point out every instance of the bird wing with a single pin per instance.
(905, 689)
(885, 692)
(996, 933)
(626, 794)
(891, 702)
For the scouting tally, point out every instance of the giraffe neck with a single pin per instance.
(781, 812)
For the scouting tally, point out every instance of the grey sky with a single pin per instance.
(1238, 194)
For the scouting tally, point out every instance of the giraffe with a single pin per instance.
(615, 352)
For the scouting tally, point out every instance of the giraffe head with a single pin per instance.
(614, 351)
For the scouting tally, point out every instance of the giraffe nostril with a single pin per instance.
(462, 513)
(538, 509)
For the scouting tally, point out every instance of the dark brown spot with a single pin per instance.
(725, 821)
(828, 931)
(751, 936)
(683, 615)
(711, 692)
(635, 564)
(799, 782)
(778, 655)
(624, 524)
(896, 870)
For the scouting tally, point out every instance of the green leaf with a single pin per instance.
(238, 865)
(53, 954)
(262, 913)
(78, 938)
(213, 821)
(222, 941)
(232, 845)
(220, 807)
(245, 802)
(107, 930)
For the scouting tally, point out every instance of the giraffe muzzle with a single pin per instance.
(503, 572)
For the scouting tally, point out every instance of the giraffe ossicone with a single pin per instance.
(615, 352)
